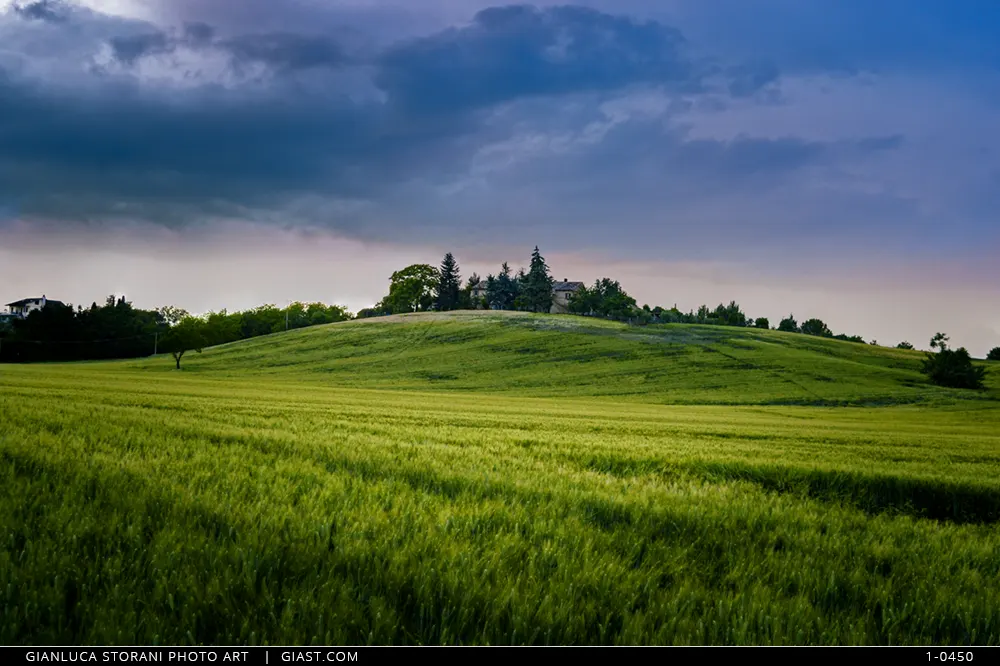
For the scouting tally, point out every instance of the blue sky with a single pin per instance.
(838, 159)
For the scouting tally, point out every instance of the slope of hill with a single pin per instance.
(545, 355)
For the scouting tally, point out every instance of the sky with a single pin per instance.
(837, 159)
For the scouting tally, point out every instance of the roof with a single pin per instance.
(567, 286)
(26, 301)
(23, 301)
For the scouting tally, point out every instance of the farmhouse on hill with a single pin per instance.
(22, 308)
(561, 293)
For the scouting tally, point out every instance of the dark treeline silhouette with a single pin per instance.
(58, 332)
(118, 330)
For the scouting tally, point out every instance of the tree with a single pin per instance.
(606, 299)
(536, 292)
(789, 325)
(172, 314)
(584, 301)
(952, 367)
(503, 290)
(994, 354)
(904, 345)
(300, 315)
(411, 289)
(465, 299)
(728, 315)
(449, 284)
(939, 341)
(816, 327)
(762, 322)
(187, 335)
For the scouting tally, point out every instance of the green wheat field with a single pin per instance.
(487, 478)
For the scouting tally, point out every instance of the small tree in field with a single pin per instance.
(187, 335)
(994, 354)
(952, 367)
(904, 345)
(761, 322)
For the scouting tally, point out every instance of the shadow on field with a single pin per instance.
(873, 494)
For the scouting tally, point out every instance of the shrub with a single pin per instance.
(994, 354)
(904, 345)
(953, 368)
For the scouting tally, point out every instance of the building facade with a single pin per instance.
(22, 308)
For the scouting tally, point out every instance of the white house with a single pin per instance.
(26, 306)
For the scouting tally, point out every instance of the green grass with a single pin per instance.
(563, 356)
(500, 479)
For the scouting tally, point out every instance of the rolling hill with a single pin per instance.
(545, 355)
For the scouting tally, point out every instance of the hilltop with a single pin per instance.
(559, 356)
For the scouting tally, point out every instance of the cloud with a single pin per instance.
(280, 51)
(114, 145)
(576, 124)
(520, 51)
(286, 50)
(42, 10)
(130, 48)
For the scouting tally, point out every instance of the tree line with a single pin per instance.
(423, 288)
(117, 329)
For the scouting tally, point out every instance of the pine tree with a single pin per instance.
(449, 284)
(537, 291)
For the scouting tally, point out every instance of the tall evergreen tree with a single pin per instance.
(537, 290)
(449, 284)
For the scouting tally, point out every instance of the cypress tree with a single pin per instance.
(449, 284)
(537, 293)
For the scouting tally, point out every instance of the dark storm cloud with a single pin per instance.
(281, 51)
(392, 130)
(130, 48)
(73, 158)
(198, 33)
(513, 52)
(42, 10)
(286, 50)
(168, 155)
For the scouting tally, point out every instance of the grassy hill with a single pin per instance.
(484, 478)
(544, 355)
